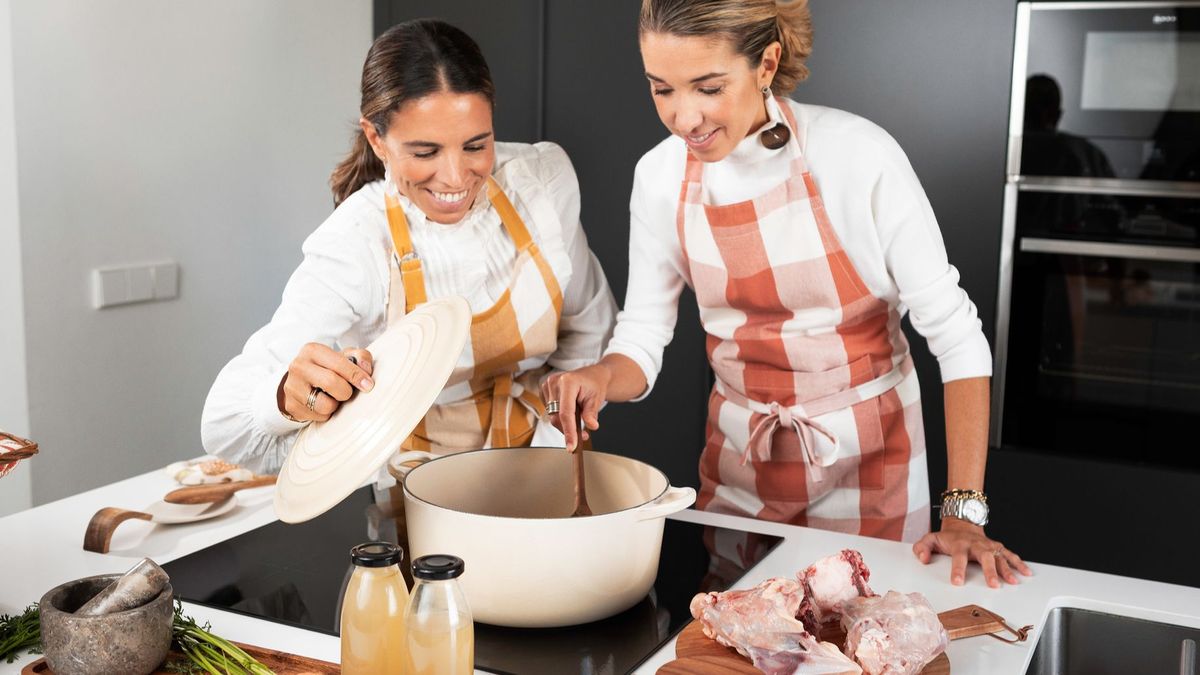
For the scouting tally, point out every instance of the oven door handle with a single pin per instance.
(1109, 250)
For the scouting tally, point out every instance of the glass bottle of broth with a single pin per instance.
(441, 633)
(373, 611)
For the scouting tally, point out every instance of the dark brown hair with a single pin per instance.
(410, 60)
(751, 25)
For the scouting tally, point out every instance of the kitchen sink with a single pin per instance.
(1099, 639)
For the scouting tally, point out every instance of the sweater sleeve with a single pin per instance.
(928, 284)
(589, 310)
(327, 294)
(646, 325)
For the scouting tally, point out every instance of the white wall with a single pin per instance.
(201, 131)
(14, 406)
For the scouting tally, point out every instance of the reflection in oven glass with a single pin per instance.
(1122, 332)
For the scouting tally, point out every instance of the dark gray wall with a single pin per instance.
(936, 75)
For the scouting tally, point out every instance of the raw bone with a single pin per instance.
(828, 583)
(896, 634)
(760, 623)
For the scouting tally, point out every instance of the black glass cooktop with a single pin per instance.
(295, 574)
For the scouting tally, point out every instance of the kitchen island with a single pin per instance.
(43, 548)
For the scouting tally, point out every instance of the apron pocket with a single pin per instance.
(869, 463)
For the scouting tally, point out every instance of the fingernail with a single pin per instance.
(366, 384)
(958, 580)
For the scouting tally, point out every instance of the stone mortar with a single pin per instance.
(134, 641)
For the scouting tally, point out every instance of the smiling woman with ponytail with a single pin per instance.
(806, 237)
(495, 223)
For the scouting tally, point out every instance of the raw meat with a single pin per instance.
(760, 623)
(831, 581)
(896, 634)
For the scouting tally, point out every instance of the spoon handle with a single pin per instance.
(581, 505)
(203, 494)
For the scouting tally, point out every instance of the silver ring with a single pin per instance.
(552, 408)
(311, 404)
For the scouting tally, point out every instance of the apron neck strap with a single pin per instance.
(410, 263)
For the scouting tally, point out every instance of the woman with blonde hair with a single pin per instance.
(806, 237)
(429, 205)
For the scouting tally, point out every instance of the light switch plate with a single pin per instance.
(134, 283)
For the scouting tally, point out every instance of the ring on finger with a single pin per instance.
(552, 407)
(311, 403)
(998, 551)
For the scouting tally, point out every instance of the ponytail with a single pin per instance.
(359, 167)
(794, 26)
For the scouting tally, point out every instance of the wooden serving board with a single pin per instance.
(697, 654)
(280, 662)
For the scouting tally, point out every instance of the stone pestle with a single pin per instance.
(139, 585)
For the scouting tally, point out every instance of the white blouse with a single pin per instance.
(876, 206)
(338, 296)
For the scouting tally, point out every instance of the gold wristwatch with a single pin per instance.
(968, 505)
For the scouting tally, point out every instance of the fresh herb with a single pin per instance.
(20, 633)
(207, 652)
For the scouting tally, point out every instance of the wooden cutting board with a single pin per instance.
(697, 654)
(280, 662)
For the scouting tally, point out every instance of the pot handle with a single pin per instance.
(673, 500)
(400, 464)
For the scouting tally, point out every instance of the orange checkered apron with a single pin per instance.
(492, 398)
(815, 416)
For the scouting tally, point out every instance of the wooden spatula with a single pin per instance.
(214, 492)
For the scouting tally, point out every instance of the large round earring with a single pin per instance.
(776, 137)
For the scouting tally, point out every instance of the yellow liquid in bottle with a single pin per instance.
(373, 622)
(435, 648)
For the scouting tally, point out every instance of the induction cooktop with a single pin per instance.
(296, 574)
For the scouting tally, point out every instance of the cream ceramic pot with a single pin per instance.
(506, 511)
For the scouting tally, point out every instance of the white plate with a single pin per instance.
(413, 359)
(174, 514)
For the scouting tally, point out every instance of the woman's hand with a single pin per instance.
(331, 375)
(965, 542)
(579, 393)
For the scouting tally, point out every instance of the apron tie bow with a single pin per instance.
(778, 416)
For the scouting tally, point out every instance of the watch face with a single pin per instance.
(974, 511)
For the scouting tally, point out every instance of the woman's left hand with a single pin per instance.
(965, 542)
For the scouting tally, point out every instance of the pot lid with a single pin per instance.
(412, 361)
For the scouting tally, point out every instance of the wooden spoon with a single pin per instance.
(581, 505)
(215, 492)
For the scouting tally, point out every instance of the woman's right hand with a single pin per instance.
(333, 375)
(579, 393)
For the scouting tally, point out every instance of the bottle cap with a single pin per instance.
(376, 554)
(437, 567)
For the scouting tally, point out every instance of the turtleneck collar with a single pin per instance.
(749, 150)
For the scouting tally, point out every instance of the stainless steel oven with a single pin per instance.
(1098, 321)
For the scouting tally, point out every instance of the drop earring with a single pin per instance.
(777, 136)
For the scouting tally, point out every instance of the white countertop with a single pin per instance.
(44, 549)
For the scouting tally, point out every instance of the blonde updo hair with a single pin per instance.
(751, 25)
